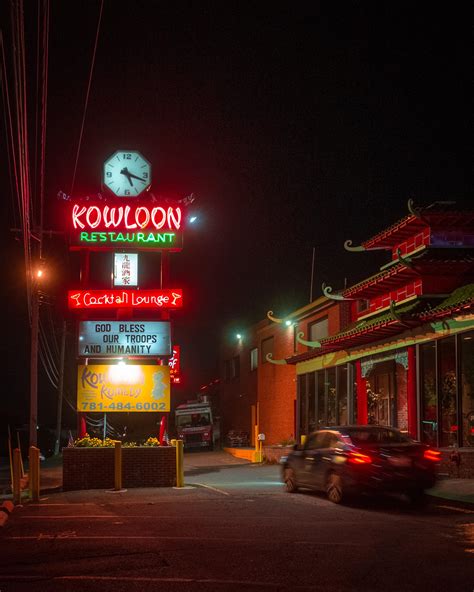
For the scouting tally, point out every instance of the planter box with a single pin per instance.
(273, 454)
(93, 468)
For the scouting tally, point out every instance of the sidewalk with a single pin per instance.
(455, 490)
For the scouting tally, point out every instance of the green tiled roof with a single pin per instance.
(381, 319)
(460, 297)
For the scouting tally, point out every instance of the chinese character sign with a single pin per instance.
(125, 269)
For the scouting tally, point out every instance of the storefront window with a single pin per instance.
(352, 370)
(302, 403)
(429, 407)
(331, 396)
(467, 387)
(447, 391)
(342, 418)
(321, 398)
(311, 402)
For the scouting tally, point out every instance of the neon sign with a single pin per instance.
(174, 364)
(101, 227)
(154, 299)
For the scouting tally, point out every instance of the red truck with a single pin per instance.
(195, 425)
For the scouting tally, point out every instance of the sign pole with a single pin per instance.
(59, 412)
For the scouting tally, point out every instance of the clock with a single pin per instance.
(127, 173)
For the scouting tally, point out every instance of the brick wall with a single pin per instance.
(93, 468)
(277, 387)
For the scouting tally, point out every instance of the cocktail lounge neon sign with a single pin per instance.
(143, 226)
(154, 299)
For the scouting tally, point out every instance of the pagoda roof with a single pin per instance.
(427, 261)
(461, 299)
(438, 213)
(373, 329)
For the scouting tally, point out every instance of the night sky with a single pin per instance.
(294, 127)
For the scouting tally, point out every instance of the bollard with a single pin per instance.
(118, 465)
(179, 463)
(303, 439)
(16, 487)
(34, 473)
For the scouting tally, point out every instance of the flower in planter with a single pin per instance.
(130, 445)
(151, 442)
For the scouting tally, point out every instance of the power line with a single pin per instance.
(87, 99)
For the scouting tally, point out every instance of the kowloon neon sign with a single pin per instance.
(144, 226)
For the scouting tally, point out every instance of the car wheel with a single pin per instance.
(417, 497)
(334, 488)
(290, 481)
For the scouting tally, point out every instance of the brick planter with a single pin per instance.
(272, 454)
(93, 468)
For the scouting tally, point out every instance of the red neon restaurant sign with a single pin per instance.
(139, 226)
(155, 299)
(175, 365)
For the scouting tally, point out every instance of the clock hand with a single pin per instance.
(135, 177)
(126, 172)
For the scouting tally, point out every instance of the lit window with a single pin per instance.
(319, 329)
(254, 358)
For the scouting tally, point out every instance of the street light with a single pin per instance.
(36, 280)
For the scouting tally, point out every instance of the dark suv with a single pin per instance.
(354, 459)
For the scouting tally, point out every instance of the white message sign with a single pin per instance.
(125, 269)
(116, 338)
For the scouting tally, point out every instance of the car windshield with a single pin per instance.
(193, 420)
(361, 437)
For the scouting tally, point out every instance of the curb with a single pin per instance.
(453, 501)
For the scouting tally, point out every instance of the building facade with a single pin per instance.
(395, 349)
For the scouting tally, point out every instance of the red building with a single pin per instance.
(397, 348)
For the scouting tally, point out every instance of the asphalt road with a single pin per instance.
(234, 529)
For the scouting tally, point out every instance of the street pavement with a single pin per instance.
(233, 528)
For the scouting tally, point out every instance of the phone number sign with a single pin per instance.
(123, 388)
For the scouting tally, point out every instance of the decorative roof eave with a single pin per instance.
(299, 339)
(448, 311)
(327, 291)
(272, 318)
(269, 358)
(462, 299)
(373, 280)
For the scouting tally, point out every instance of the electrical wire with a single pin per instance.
(87, 99)
(44, 109)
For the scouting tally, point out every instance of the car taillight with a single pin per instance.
(431, 454)
(357, 458)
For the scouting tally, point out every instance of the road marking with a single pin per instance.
(213, 488)
(462, 510)
(242, 583)
(44, 537)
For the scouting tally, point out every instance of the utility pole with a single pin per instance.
(59, 412)
(34, 365)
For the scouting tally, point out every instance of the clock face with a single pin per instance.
(127, 173)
